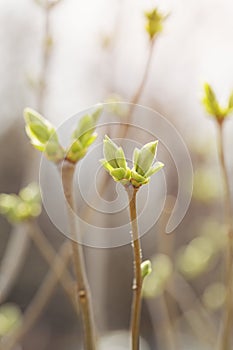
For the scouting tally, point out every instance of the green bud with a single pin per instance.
(145, 157)
(31, 193)
(210, 102)
(83, 136)
(138, 180)
(115, 163)
(43, 135)
(22, 207)
(154, 24)
(7, 203)
(38, 129)
(110, 150)
(146, 268)
(87, 125)
(212, 106)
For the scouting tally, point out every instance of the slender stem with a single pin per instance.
(138, 93)
(49, 255)
(40, 300)
(137, 284)
(226, 336)
(83, 289)
(45, 58)
(142, 84)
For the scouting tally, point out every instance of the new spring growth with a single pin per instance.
(213, 107)
(24, 206)
(146, 268)
(43, 136)
(143, 163)
(154, 22)
(83, 136)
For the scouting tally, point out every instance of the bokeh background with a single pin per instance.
(94, 51)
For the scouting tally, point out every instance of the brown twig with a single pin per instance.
(83, 290)
(50, 255)
(137, 284)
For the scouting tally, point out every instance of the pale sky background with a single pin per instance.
(196, 45)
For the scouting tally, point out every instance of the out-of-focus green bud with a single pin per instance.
(230, 103)
(146, 268)
(154, 24)
(195, 258)
(214, 296)
(31, 193)
(155, 283)
(83, 136)
(43, 135)
(115, 106)
(47, 4)
(7, 202)
(216, 232)
(206, 185)
(10, 318)
(212, 106)
(23, 207)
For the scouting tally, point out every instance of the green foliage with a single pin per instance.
(43, 136)
(161, 271)
(146, 268)
(115, 163)
(26, 205)
(10, 318)
(154, 24)
(212, 105)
